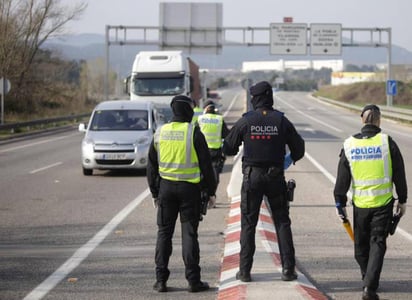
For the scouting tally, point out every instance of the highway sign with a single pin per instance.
(288, 38)
(325, 39)
(391, 88)
(192, 27)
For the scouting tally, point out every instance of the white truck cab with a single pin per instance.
(159, 75)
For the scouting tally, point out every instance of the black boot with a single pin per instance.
(160, 286)
(243, 276)
(369, 294)
(198, 287)
(289, 274)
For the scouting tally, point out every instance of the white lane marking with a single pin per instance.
(320, 168)
(310, 117)
(231, 104)
(45, 168)
(35, 143)
(402, 232)
(82, 253)
(396, 132)
(405, 234)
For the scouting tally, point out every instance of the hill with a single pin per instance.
(362, 93)
(92, 46)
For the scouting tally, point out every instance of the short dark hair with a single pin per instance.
(371, 114)
(370, 107)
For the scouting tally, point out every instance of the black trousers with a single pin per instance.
(257, 183)
(371, 230)
(218, 161)
(178, 198)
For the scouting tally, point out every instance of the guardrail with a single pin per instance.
(13, 128)
(394, 113)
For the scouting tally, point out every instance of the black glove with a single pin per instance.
(341, 211)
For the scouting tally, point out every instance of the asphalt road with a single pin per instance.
(68, 236)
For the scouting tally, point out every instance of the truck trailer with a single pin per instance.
(161, 75)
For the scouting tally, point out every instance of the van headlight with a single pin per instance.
(143, 141)
(87, 146)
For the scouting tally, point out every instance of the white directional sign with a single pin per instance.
(288, 38)
(325, 39)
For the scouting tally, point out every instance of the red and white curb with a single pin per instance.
(229, 287)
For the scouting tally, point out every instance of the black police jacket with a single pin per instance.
(265, 133)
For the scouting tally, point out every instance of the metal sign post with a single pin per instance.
(4, 89)
(389, 98)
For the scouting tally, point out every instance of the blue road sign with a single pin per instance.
(391, 88)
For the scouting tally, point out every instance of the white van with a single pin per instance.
(118, 135)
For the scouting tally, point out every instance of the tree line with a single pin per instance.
(42, 82)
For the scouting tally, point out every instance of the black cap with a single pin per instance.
(182, 99)
(260, 88)
(370, 107)
(209, 107)
(209, 102)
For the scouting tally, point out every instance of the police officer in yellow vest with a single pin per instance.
(370, 163)
(214, 129)
(178, 160)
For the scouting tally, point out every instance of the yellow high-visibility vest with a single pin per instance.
(371, 168)
(197, 111)
(177, 157)
(211, 127)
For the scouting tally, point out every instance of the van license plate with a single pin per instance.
(113, 156)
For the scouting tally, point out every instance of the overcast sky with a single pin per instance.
(395, 14)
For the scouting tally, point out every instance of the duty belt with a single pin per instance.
(271, 171)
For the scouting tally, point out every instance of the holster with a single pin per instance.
(246, 177)
(273, 172)
(393, 224)
(204, 200)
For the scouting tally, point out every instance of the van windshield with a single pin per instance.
(119, 120)
(158, 86)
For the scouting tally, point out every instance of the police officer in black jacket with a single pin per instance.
(173, 179)
(265, 133)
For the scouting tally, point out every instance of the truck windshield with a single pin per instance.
(119, 120)
(158, 86)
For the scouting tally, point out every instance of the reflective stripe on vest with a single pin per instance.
(371, 168)
(211, 127)
(177, 157)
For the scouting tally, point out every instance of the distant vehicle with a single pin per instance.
(213, 95)
(118, 135)
(160, 75)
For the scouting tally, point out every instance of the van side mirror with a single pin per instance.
(82, 127)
